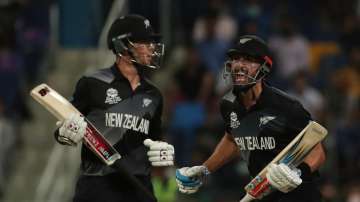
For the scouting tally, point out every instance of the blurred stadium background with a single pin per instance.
(316, 44)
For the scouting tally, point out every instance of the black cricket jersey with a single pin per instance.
(262, 131)
(123, 116)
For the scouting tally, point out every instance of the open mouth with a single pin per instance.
(240, 78)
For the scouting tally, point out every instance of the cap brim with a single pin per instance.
(156, 37)
(234, 52)
(153, 38)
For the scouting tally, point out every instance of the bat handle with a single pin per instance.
(133, 181)
(247, 198)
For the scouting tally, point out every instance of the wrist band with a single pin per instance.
(305, 170)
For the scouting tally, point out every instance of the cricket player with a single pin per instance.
(260, 121)
(126, 108)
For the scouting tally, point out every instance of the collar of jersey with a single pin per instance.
(120, 77)
(263, 98)
(117, 73)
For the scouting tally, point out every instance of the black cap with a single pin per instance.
(136, 27)
(253, 46)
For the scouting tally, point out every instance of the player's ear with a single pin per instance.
(125, 57)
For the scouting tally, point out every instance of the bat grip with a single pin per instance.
(259, 187)
(247, 198)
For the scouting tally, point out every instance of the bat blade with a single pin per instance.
(61, 108)
(292, 155)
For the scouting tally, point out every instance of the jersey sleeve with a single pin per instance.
(155, 127)
(224, 110)
(300, 117)
(80, 96)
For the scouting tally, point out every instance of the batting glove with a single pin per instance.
(283, 178)
(160, 153)
(72, 129)
(190, 179)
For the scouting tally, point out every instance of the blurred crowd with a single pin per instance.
(316, 47)
(24, 34)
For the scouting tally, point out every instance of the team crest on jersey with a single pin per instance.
(146, 102)
(112, 96)
(234, 122)
(265, 119)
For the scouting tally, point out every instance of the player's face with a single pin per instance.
(144, 52)
(148, 53)
(243, 69)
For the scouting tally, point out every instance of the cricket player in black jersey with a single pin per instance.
(126, 108)
(260, 121)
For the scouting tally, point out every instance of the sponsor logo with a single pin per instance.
(112, 96)
(234, 122)
(146, 102)
(265, 119)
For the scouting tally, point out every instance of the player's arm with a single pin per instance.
(189, 179)
(71, 131)
(316, 158)
(285, 178)
(225, 151)
(160, 153)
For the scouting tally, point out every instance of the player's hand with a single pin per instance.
(283, 178)
(160, 153)
(72, 129)
(190, 179)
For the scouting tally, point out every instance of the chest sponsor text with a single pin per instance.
(255, 143)
(127, 121)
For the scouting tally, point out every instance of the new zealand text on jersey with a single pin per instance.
(127, 121)
(255, 143)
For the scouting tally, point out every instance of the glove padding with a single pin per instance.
(190, 179)
(160, 153)
(283, 178)
(72, 129)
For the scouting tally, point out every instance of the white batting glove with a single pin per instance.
(160, 153)
(72, 129)
(190, 179)
(283, 178)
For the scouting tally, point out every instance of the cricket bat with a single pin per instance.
(61, 108)
(292, 155)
